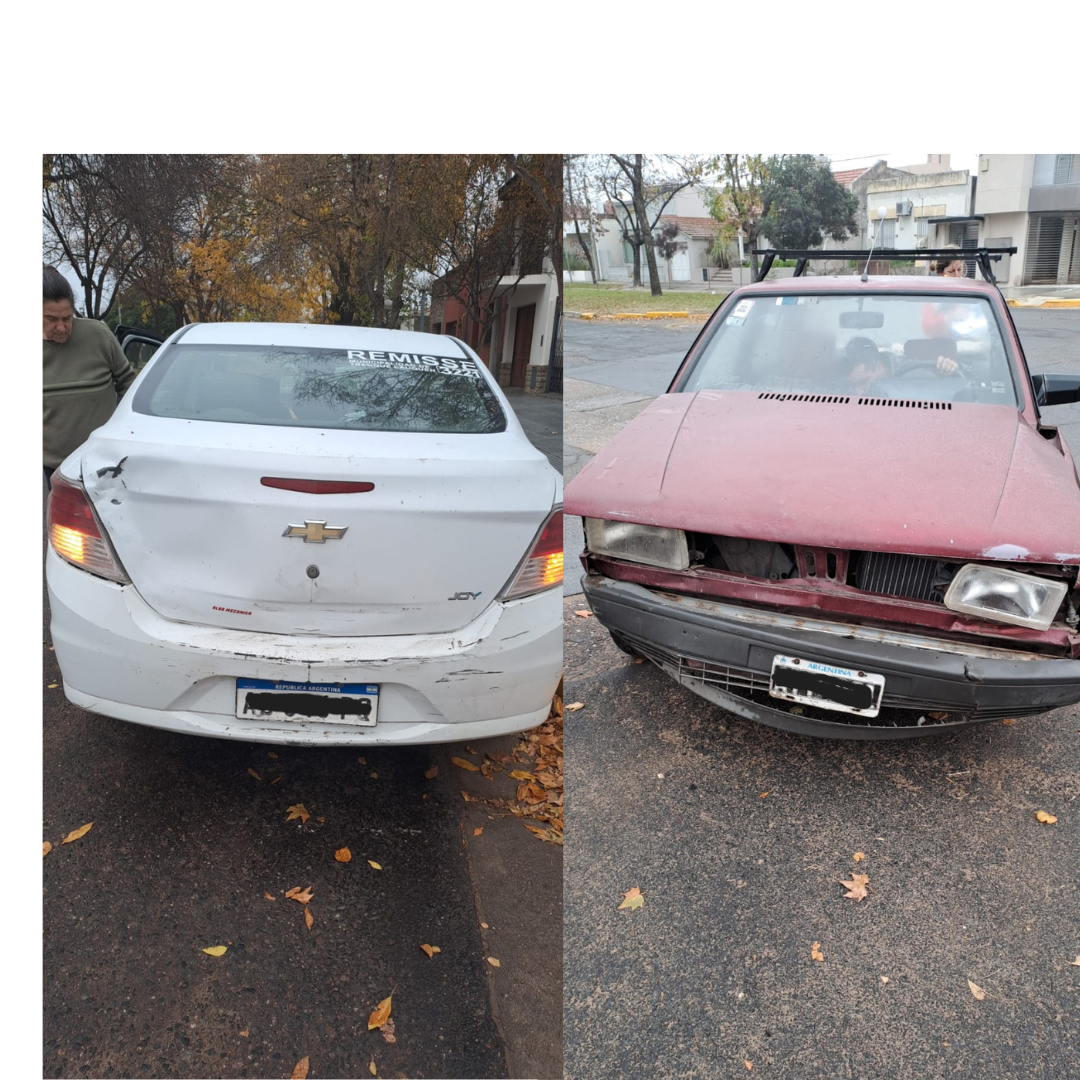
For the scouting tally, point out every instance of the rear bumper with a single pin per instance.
(724, 653)
(120, 658)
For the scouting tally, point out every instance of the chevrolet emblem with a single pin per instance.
(316, 532)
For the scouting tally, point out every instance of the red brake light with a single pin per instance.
(318, 487)
(75, 534)
(543, 566)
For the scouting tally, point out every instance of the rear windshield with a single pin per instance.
(357, 389)
(884, 346)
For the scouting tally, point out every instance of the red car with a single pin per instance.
(846, 517)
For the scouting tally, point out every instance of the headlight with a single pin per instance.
(1005, 596)
(637, 543)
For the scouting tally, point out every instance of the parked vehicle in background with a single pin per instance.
(309, 534)
(847, 517)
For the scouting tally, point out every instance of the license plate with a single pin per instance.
(826, 686)
(335, 703)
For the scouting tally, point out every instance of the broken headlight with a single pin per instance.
(647, 544)
(1005, 596)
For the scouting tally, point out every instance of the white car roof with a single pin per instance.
(318, 336)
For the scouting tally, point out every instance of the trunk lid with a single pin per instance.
(426, 550)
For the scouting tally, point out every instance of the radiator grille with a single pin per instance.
(902, 575)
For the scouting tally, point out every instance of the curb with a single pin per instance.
(1040, 302)
(589, 316)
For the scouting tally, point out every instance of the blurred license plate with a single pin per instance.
(335, 703)
(826, 686)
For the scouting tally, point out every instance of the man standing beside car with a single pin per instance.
(85, 372)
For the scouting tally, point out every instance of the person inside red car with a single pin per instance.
(862, 363)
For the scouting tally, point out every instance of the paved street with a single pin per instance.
(191, 848)
(738, 836)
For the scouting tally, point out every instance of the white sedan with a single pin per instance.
(312, 535)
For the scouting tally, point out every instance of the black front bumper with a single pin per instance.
(725, 652)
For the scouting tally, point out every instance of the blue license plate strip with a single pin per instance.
(354, 704)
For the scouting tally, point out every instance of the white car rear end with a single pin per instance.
(310, 534)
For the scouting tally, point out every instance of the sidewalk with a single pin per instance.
(541, 415)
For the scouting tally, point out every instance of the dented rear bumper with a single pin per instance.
(120, 658)
(724, 652)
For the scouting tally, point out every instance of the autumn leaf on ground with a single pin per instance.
(374, 865)
(431, 950)
(816, 953)
(584, 614)
(321, 820)
(387, 1031)
(245, 1033)
(45, 848)
(300, 1069)
(1076, 962)
(574, 706)
(977, 991)
(632, 899)
(252, 772)
(857, 886)
(550, 835)
(477, 832)
(270, 753)
(749, 1065)
(269, 897)
(298, 811)
(493, 962)
(362, 760)
(1045, 818)
(521, 774)
(77, 834)
(301, 897)
(371, 1068)
(53, 685)
(1011, 721)
(308, 917)
(432, 772)
(343, 854)
(277, 779)
(380, 1015)
(858, 856)
(461, 763)
(216, 950)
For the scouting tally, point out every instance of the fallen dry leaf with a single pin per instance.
(77, 834)
(764, 794)
(270, 753)
(1045, 818)
(816, 953)
(276, 780)
(432, 772)
(857, 886)
(1076, 962)
(858, 856)
(362, 760)
(461, 763)
(574, 706)
(584, 614)
(216, 950)
(550, 835)
(301, 897)
(1010, 721)
(298, 811)
(245, 1033)
(749, 1065)
(269, 897)
(371, 1068)
(431, 950)
(493, 962)
(380, 1015)
(321, 820)
(884, 978)
(477, 832)
(374, 775)
(252, 772)
(343, 854)
(632, 899)
(937, 715)
(45, 848)
(977, 991)
(308, 917)
(53, 685)
(374, 865)
(521, 774)
(300, 1069)
(387, 1031)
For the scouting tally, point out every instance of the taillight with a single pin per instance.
(75, 533)
(543, 566)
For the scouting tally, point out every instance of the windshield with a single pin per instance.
(883, 346)
(357, 389)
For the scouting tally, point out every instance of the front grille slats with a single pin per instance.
(910, 576)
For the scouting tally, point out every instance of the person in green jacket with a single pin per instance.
(85, 372)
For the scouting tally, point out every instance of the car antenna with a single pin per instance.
(881, 212)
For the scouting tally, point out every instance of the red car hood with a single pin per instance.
(973, 481)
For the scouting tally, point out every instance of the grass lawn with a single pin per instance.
(606, 300)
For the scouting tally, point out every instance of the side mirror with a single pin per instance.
(1054, 389)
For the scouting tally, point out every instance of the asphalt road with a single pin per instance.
(738, 835)
(189, 849)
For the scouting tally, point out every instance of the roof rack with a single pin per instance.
(981, 255)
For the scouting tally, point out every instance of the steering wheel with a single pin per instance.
(962, 370)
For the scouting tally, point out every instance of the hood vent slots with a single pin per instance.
(830, 399)
(905, 404)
